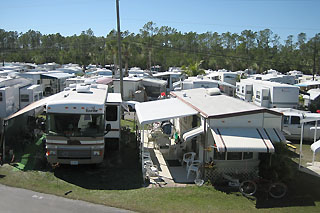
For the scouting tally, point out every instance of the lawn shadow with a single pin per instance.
(303, 190)
(120, 170)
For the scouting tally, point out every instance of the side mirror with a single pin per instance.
(108, 128)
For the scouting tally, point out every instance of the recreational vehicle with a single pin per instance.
(223, 134)
(77, 119)
(268, 94)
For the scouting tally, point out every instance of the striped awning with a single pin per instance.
(245, 139)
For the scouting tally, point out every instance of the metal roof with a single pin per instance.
(161, 110)
(114, 98)
(217, 106)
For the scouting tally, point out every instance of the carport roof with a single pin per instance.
(161, 110)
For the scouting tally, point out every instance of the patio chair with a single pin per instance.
(194, 167)
(188, 158)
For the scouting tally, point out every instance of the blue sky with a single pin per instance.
(68, 17)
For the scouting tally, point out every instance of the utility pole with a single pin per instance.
(119, 48)
(314, 58)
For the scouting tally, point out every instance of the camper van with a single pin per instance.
(77, 125)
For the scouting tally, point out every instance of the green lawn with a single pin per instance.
(118, 182)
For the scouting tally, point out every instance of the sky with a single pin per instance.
(69, 17)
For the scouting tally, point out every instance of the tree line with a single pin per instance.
(166, 46)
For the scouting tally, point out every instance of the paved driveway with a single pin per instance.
(17, 200)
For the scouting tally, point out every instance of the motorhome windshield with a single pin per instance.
(76, 125)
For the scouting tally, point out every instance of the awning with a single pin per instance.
(193, 133)
(32, 106)
(275, 135)
(162, 110)
(242, 140)
(104, 80)
(315, 147)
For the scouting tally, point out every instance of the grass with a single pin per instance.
(306, 153)
(129, 124)
(117, 182)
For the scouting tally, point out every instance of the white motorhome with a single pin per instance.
(76, 125)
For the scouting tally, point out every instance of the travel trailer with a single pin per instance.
(78, 121)
(268, 94)
(170, 77)
(214, 129)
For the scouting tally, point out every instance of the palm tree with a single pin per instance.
(193, 69)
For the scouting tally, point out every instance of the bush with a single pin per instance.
(277, 166)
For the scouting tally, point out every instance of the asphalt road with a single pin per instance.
(17, 200)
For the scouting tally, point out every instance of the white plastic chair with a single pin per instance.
(188, 158)
(194, 167)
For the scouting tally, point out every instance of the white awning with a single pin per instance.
(161, 110)
(32, 106)
(242, 140)
(315, 147)
(193, 133)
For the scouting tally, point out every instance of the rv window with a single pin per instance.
(238, 88)
(112, 113)
(286, 120)
(35, 98)
(76, 125)
(312, 123)
(249, 92)
(242, 90)
(247, 155)
(0, 96)
(219, 155)
(265, 98)
(295, 120)
(24, 98)
(258, 95)
(234, 156)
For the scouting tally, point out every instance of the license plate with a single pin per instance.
(74, 162)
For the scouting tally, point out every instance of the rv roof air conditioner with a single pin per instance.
(213, 91)
(88, 81)
(94, 85)
(81, 88)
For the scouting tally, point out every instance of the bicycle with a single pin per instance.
(275, 189)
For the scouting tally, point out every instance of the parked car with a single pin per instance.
(292, 125)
